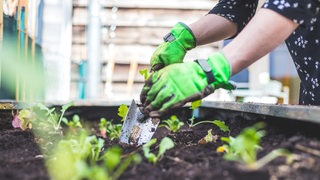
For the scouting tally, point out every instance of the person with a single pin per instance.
(173, 83)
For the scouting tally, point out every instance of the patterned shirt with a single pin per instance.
(303, 43)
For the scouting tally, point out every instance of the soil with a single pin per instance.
(20, 158)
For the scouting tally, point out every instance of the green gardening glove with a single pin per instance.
(177, 84)
(175, 47)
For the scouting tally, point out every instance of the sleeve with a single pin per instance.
(303, 12)
(237, 11)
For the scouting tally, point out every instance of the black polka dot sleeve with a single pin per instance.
(237, 11)
(302, 12)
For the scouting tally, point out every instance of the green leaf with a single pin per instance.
(66, 106)
(144, 73)
(196, 104)
(151, 157)
(165, 144)
(226, 139)
(112, 157)
(122, 111)
(209, 136)
(222, 126)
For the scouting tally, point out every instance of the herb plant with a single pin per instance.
(173, 124)
(165, 144)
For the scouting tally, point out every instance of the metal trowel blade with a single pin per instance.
(137, 129)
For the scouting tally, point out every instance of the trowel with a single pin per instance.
(137, 128)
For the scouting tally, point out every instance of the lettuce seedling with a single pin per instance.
(165, 144)
(74, 123)
(173, 124)
(40, 115)
(110, 130)
(245, 146)
(145, 73)
(209, 138)
(122, 111)
(23, 119)
(83, 158)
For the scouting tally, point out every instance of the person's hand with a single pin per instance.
(177, 84)
(175, 47)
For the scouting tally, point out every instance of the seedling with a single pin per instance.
(108, 129)
(83, 158)
(245, 146)
(165, 144)
(173, 124)
(144, 73)
(194, 106)
(209, 138)
(122, 111)
(40, 115)
(74, 123)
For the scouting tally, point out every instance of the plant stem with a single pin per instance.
(268, 158)
(201, 122)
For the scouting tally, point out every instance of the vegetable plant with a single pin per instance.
(73, 123)
(108, 129)
(173, 124)
(122, 111)
(145, 73)
(165, 144)
(244, 148)
(83, 158)
(209, 138)
(41, 116)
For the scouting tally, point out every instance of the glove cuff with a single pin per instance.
(183, 34)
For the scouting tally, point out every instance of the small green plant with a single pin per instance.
(83, 157)
(173, 124)
(165, 144)
(194, 106)
(41, 116)
(209, 138)
(110, 130)
(145, 73)
(122, 111)
(73, 123)
(245, 146)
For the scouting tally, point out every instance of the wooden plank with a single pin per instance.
(163, 4)
(141, 17)
(296, 112)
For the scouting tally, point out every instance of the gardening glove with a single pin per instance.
(177, 84)
(175, 47)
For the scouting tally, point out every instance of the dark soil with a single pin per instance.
(20, 158)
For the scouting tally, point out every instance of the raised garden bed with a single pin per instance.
(21, 158)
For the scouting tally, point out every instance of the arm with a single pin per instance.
(206, 33)
(264, 32)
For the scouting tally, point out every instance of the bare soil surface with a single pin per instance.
(21, 159)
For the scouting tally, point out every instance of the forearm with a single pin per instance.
(264, 32)
(211, 28)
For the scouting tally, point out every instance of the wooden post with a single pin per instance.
(1, 22)
(132, 73)
(18, 48)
